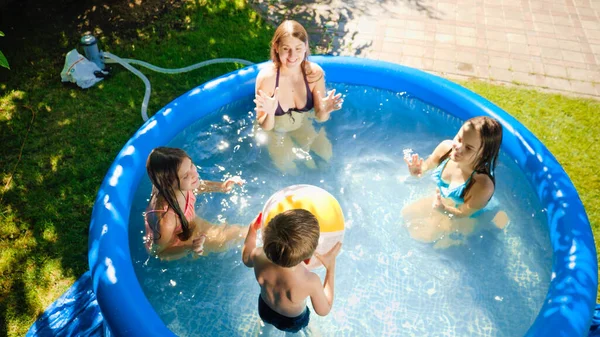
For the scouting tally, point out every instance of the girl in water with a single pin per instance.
(464, 171)
(172, 228)
(286, 91)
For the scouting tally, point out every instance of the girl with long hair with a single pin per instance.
(464, 171)
(172, 228)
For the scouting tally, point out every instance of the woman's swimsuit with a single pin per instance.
(454, 193)
(309, 98)
(283, 323)
(189, 212)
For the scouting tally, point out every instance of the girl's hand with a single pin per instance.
(437, 202)
(328, 259)
(266, 105)
(332, 102)
(415, 165)
(227, 186)
(198, 244)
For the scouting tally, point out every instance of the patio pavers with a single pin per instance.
(549, 44)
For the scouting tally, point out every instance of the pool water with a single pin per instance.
(387, 284)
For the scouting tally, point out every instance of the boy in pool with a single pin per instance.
(289, 239)
(173, 230)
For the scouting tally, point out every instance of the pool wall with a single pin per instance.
(569, 304)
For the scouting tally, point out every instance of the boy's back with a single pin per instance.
(284, 289)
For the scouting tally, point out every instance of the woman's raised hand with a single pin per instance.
(332, 101)
(266, 105)
(415, 165)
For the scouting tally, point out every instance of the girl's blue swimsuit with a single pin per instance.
(455, 193)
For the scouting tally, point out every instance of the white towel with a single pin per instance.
(79, 70)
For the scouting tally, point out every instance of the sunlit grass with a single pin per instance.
(73, 136)
(8, 104)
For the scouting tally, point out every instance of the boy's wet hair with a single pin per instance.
(291, 237)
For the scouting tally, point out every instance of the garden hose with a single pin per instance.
(110, 58)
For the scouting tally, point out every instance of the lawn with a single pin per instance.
(58, 140)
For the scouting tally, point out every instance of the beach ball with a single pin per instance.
(320, 203)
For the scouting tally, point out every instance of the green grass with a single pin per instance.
(70, 136)
(58, 140)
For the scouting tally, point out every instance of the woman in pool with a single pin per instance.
(286, 91)
(172, 228)
(463, 169)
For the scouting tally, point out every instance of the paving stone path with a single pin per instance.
(549, 44)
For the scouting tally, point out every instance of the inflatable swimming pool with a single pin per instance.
(569, 304)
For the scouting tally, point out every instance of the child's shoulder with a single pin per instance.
(306, 275)
(156, 208)
(441, 149)
(261, 261)
(444, 146)
(482, 189)
(307, 283)
(483, 181)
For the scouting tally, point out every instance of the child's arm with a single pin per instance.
(207, 186)
(322, 298)
(177, 252)
(218, 237)
(166, 243)
(250, 242)
(417, 166)
(478, 196)
(173, 253)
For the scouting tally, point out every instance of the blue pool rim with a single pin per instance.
(568, 307)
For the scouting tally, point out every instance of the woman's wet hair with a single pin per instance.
(163, 165)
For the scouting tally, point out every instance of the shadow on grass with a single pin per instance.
(58, 140)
